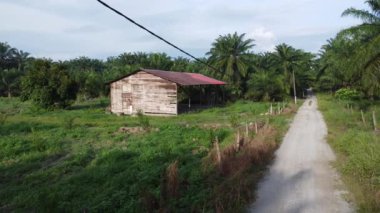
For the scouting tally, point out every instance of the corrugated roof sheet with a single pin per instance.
(181, 78)
(184, 78)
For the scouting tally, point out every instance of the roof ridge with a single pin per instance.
(181, 78)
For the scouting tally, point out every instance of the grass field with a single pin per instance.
(78, 159)
(357, 146)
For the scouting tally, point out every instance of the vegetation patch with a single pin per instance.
(357, 146)
(52, 162)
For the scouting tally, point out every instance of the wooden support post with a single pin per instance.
(200, 96)
(363, 118)
(374, 120)
(256, 130)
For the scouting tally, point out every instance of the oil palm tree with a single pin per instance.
(287, 58)
(21, 57)
(159, 61)
(367, 34)
(231, 55)
(371, 19)
(6, 56)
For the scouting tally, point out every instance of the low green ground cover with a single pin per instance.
(79, 159)
(357, 146)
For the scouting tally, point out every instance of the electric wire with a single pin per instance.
(155, 35)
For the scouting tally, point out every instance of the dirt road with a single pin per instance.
(301, 178)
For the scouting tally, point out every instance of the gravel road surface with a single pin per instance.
(301, 178)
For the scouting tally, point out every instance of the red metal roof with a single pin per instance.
(184, 78)
(181, 78)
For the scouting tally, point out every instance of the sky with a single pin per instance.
(67, 29)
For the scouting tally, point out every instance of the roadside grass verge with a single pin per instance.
(357, 146)
(81, 159)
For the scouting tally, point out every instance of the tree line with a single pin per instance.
(349, 61)
(264, 76)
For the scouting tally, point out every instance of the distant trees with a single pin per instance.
(52, 84)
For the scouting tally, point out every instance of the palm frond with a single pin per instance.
(365, 16)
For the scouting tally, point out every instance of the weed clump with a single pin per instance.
(68, 122)
(143, 120)
(3, 118)
(234, 120)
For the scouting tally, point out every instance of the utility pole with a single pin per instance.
(294, 89)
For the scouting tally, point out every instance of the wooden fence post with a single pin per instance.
(256, 130)
(246, 130)
(218, 155)
(374, 120)
(363, 118)
(237, 140)
(271, 109)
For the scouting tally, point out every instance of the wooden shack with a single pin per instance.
(152, 91)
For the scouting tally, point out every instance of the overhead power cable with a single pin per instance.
(155, 35)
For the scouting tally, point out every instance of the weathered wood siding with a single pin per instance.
(145, 92)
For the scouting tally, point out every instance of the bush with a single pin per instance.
(347, 94)
(48, 85)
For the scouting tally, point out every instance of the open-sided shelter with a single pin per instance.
(153, 91)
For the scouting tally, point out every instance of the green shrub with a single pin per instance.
(48, 85)
(347, 94)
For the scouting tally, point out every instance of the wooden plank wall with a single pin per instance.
(146, 92)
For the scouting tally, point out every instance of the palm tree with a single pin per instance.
(159, 61)
(231, 55)
(9, 80)
(371, 19)
(21, 57)
(367, 34)
(287, 58)
(266, 85)
(6, 55)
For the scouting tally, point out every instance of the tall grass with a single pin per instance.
(50, 163)
(357, 146)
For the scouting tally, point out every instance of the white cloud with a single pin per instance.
(70, 28)
(265, 40)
